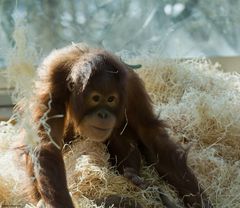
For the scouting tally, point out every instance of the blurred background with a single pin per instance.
(168, 28)
(171, 28)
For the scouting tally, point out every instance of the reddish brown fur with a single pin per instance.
(145, 133)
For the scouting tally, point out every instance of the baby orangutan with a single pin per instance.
(93, 93)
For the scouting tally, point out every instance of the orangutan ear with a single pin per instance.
(70, 85)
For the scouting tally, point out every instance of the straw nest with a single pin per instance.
(201, 106)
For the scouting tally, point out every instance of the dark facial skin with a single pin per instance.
(98, 124)
(100, 97)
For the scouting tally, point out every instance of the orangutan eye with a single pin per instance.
(96, 98)
(111, 99)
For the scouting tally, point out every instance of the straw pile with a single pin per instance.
(201, 106)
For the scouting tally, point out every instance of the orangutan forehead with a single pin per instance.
(105, 82)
